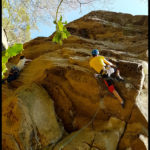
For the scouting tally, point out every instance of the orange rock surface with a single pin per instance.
(61, 75)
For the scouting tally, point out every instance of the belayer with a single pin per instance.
(15, 70)
(107, 71)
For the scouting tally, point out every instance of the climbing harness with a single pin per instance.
(99, 76)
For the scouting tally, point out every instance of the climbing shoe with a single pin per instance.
(119, 78)
(123, 104)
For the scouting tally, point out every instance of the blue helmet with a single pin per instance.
(95, 52)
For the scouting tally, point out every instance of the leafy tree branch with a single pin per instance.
(10, 52)
(61, 30)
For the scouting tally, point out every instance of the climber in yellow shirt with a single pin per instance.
(107, 71)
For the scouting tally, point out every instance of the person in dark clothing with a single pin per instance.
(15, 70)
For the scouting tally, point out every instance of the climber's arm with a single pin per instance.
(109, 63)
(28, 60)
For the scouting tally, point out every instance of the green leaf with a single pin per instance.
(4, 59)
(60, 18)
(64, 36)
(64, 29)
(68, 33)
(60, 42)
(61, 32)
(54, 39)
(60, 26)
(28, 27)
(10, 52)
(65, 22)
(4, 69)
(59, 36)
(14, 50)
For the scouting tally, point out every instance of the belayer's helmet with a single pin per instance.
(95, 52)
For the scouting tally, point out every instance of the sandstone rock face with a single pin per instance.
(104, 137)
(29, 119)
(62, 73)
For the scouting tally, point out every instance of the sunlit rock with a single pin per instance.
(62, 74)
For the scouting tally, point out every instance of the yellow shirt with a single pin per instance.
(97, 63)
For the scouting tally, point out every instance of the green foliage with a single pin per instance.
(61, 32)
(10, 52)
(16, 21)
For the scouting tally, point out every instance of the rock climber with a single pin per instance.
(107, 71)
(15, 70)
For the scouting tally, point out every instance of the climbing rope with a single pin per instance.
(79, 131)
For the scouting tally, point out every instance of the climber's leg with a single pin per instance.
(14, 74)
(118, 77)
(111, 88)
(118, 97)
